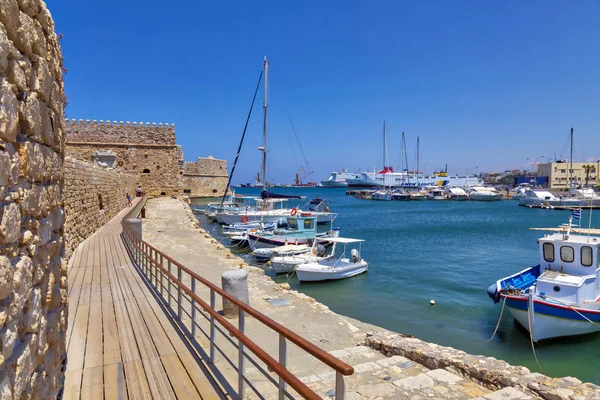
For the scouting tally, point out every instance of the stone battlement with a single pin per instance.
(73, 121)
(113, 132)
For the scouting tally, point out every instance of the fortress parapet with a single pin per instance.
(94, 131)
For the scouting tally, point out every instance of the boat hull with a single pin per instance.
(317, 272)
(551, 320)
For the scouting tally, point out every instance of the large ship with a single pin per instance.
(411, 180)
(339, 179)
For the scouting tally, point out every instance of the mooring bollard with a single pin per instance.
(136, 226)
(235, 283)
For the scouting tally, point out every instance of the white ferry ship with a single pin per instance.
(407, 180)
(339, 179)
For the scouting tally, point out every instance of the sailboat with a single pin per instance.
(418, 195)
(270, 207)
(402, 194)
(383, 194)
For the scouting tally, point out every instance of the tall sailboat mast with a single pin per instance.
(403, 157)
(571, 167)
(384, 148)
(418, 151)
(265, 105)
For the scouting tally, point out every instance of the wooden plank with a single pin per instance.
(115, 386)
(76, 350)
(93, 348)
(208, 388)
(112, 348)
(92, 384)
(159, 337)
(72, 386)
(137, 385)
(182, 384)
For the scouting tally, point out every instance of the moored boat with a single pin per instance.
(560, 296)
(335, 267)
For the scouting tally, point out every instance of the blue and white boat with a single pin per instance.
(301, 230)
(561, 295)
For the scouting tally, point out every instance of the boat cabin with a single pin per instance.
(302, 221)
(569, 267)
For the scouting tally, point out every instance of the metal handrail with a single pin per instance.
(145, 251)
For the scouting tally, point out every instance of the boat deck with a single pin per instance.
(120, 342)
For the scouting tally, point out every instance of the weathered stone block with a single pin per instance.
(4, 49)
(8, 339)
(5, 165)
(9, 16)
(6, 277)
(9, 111)
(42, 80)
(10, 223)
(25, 35)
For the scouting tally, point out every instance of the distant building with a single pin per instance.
(558, 174)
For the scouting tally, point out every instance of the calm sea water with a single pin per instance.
(450, 252)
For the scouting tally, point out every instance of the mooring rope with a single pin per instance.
(530, 312)
(499, 319)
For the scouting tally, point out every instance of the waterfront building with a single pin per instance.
(558, 173)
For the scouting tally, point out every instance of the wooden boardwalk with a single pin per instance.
(120, 342)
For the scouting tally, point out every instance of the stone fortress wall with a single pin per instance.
(206, 177)
(33, 283)
(147, 151)
(92, 196)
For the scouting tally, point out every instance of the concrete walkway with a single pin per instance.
(171, 227)
(120, 342)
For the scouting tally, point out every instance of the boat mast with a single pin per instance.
(384, 155)
(418, 150)
(571, 167)
(265, 105)
(403, 157)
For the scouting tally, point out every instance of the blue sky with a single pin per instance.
(486, 85)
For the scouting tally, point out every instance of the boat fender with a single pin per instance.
(244, 219)
(326, 209)
(294, 211)
(493, 293)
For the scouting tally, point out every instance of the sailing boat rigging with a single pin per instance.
(383, 194)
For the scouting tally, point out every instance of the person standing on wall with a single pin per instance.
(128, 197)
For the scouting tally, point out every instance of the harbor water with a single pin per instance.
(450, 252)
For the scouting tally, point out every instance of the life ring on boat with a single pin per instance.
(244, 219)
(294, 211)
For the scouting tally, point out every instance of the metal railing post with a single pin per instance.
(179, 296)
(282, 361)
(169, 269)
(212, 326)
(193, 308)
(241, 383)
(340, 388)
(162, 276)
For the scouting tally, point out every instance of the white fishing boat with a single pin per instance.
(381, 195)
(436, 194)
(266, 253)
(335, 267)
(538, 198)
(301, 230)
(456, 194)
(338, 179)
(283, 262)
(589, 197)
(561, 295)
(482, 193)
